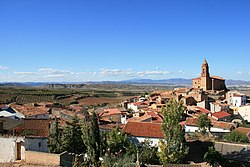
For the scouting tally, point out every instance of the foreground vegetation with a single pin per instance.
(85, 138)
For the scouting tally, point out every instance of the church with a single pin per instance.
(207, 82)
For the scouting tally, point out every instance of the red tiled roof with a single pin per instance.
(139, 119)
(110, 111)
(30, 110)
(222, 125)
(220, 114)
(216, 124)
(155, 116)
(35, 127)
(144, 129)
(243, 130)
(203, 110)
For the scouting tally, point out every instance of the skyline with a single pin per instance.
(112, 40)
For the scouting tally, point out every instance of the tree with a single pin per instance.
(215, 159)
(117, 142)
(92, 139)
(203, 123)
(55, 138)
(148, 153)
(237, 137)
(172, 148)
(72, 140)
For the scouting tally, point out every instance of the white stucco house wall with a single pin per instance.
(244, 112)
(216, 107)
(11, 149)
(236, 98)
(137, 106)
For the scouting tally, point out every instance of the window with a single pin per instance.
(39, 144)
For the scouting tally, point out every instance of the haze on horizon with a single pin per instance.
(76, 41)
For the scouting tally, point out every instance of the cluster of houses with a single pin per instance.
(26, 127)
(142, 117)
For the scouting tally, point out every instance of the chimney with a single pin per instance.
(1, 126)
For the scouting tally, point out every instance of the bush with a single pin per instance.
(237, 137)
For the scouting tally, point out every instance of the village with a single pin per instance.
(25, 129)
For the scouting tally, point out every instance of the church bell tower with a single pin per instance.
(205, 77)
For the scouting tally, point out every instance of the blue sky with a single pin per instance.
(95, 40)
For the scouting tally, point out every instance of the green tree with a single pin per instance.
(92, 139)
(55, 137)
(235, 136)
(117, 142)
(215, 159)
(203, 123)
(72, 140)
(148, 153)
(172, 148)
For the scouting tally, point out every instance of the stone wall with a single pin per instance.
(39, 158)
(48, 159)
(238, 152)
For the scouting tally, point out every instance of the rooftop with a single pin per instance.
(35, 128)
(30, 110)
(220, 114)
(144, 129)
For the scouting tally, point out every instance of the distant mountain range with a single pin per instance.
(172, 81)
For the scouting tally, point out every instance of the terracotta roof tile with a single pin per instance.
(30, 110)
(155, 117)
(35, 127)
(223, 125)
(144, 129)
(203, 110)
(243, 130)
(139, 119)
(110, 111)
(217, 124)
(220, 114)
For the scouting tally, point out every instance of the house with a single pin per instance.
(9, 126)
(216, 107)
(143, 118)
(244, 112)
(11, 146)
(32, 111)
(113, 115)
(236, 98)
(197, 110)
(190, 126)
(222, 116)
(137, 106)
(140, 131)
(10, 113)
(36, 132)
